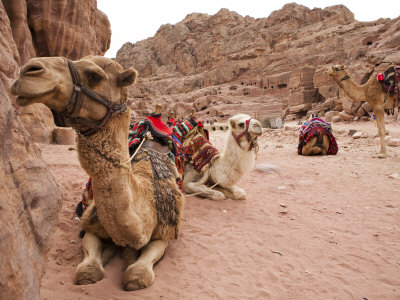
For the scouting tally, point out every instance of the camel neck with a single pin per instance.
(235, 155)
(106, 151)
(353, 90)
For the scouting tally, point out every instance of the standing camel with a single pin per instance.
(370, 92)
(138, 205)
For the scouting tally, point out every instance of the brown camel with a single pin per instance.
(316, 145)
(370, 92)
(137, 205)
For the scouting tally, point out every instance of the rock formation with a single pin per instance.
(265, 67)
(30, 197)
(72, 29)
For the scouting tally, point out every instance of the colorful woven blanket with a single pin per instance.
(200, 153)
(182, 128)
(315, 127)
(390, 84)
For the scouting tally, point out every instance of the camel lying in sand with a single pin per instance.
(138, 205)
(225, 169)
(370, 92)
(316, 138)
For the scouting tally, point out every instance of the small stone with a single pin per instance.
(352, 132)
(224, 211)
(72, 241)
(339, 212)
(393, 142)
(62, 283)
(283, 205)
(267, 168)
(357, 135)
(279, 146)
(281, 187)
(283, 212)
(394, 176)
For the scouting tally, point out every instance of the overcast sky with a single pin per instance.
(133, 21)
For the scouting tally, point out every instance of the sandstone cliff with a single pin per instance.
(30, 198)
(226, 63)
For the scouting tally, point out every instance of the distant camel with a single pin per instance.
(316, 138)
(370, 92)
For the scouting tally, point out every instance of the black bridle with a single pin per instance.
(70, 116)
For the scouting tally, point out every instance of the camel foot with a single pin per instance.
(89, 272)
(379, 155)
(138, 276)
(238, 193)
(216, 195)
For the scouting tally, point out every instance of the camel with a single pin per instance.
(370, 92)
(225, 169)
(138, 205)
(316, 138)
(316, 145)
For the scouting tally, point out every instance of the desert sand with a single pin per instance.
(324, 227)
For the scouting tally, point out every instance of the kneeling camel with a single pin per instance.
(138, 206)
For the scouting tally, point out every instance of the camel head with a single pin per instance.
(336, 71)
(245, 130)
(87, 89)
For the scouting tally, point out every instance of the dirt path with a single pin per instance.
(318, 228)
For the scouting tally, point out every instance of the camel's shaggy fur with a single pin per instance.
(370, 92)
(138, 206)
(227, 169)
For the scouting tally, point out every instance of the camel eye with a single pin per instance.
(93, 77)
(241, 125)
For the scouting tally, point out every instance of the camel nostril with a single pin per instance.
(31, 70)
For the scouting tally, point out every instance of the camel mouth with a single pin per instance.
(23, 101)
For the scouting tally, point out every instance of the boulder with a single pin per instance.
(345, 116)
(30, 198)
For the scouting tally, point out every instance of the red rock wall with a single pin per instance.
(30, 198)
(207, 52)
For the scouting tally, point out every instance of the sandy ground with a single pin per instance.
(317, 228)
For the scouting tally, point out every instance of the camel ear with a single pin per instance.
(342, 67)
(232, 122)
(127, 77)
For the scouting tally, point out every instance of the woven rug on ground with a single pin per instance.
(315, 127)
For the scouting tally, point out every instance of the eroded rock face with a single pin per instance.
(30, 198)
(276, 63)
(70, 28)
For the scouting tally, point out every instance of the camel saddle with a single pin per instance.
(390, 85)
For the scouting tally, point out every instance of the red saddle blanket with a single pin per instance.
(200, 153)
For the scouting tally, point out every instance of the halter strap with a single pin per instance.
(70, 115)
(246, 133)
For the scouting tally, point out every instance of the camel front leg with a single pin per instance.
(140, 274)
(203, 191)
(233, 192)
(90, 270)
(380, 122)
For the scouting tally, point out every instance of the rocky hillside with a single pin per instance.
(225, 63)
(30, 198)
